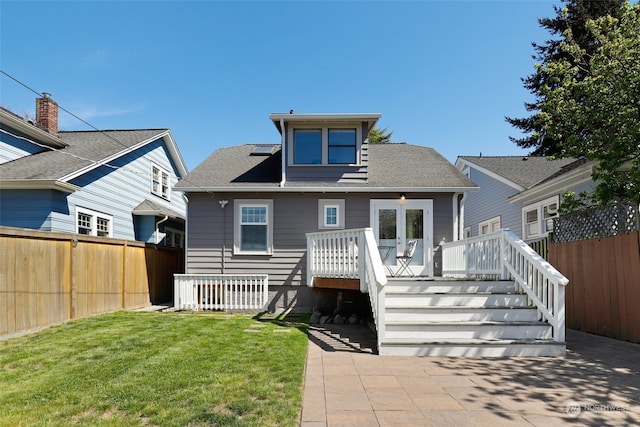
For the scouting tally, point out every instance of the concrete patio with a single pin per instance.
(347, 384)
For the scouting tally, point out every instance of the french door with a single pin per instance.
(394, 223)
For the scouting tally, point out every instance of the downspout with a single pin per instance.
(461, 230)
(157, 233)
(283, 153)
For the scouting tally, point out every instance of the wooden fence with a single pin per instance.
(48, 278)
(604, 284)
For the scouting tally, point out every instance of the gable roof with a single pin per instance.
(390, 167)
(523, 171)
(85, 151)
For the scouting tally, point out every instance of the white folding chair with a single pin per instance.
(405, 259)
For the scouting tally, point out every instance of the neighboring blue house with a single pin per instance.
(115, 183)
(519, 193)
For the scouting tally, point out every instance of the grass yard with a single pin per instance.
(164, 369)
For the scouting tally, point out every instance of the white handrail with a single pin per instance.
(504, 255)
(221, 292)
(351, 254)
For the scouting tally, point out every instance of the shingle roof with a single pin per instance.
(525, 171)
(396, 165)
(85, 148)
(148, 207)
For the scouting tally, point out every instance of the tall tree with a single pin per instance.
(573, 17)
(598, 114)
(379, 136)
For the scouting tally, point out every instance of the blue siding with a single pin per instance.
(490, 202)
(117, 192)
(12, 148)
(114, 192)
(31, 209)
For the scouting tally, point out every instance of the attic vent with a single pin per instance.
(263, 150)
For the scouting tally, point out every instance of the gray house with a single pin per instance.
(114, 183)
(519, 193)
(250, 206)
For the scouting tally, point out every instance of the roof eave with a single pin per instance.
(577, 176)
(361, 189)
(370, 118)
(38, 184)
(158, 212)
(31, 130)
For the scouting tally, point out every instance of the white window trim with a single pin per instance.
(94, 221)
(175, 232)
(325, 144)
(490, 225)
(466, 233)
(237, 212)
(323, 204)
(163, 172)
(539, 207)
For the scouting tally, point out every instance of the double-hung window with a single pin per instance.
(253, 231)
(91, 223)
(537, 218)
(324, 146)
(160, 182)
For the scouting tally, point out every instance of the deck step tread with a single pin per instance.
(467, 323)
(467, 341)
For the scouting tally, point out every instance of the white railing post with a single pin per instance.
(504, 253)
(363, 255)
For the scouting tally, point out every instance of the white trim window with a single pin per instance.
(92, 223)
(253, 230)
(334, 145)
(537, 218)
(466, 233)
(173, 238)
(160, 179)
(331, 214)
(489, 226)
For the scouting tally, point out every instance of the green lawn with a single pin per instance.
(164, 369)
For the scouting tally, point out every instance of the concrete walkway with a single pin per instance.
(347, 384)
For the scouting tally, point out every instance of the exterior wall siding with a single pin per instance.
(117, 191)
(114, 192)
(12, 148)
(27, 209)
(210, 228)
(490, 202)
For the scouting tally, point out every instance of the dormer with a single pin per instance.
(324, 147)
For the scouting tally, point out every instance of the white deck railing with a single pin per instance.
(504, 255)
(221, 292)
(350, 254)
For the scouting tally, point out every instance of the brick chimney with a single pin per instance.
(47, 113)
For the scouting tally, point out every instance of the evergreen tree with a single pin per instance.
(573, 17)
(379, 136)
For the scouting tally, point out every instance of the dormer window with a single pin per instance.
(307, 146)
(324, 146)
(342, 146)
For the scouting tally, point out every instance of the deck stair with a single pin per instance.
(448, 317)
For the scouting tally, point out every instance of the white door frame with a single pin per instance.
(423, 267)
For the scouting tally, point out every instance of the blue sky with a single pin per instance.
(442, 73)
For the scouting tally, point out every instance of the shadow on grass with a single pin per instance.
(329, 337)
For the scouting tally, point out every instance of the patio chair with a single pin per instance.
(405, 259)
